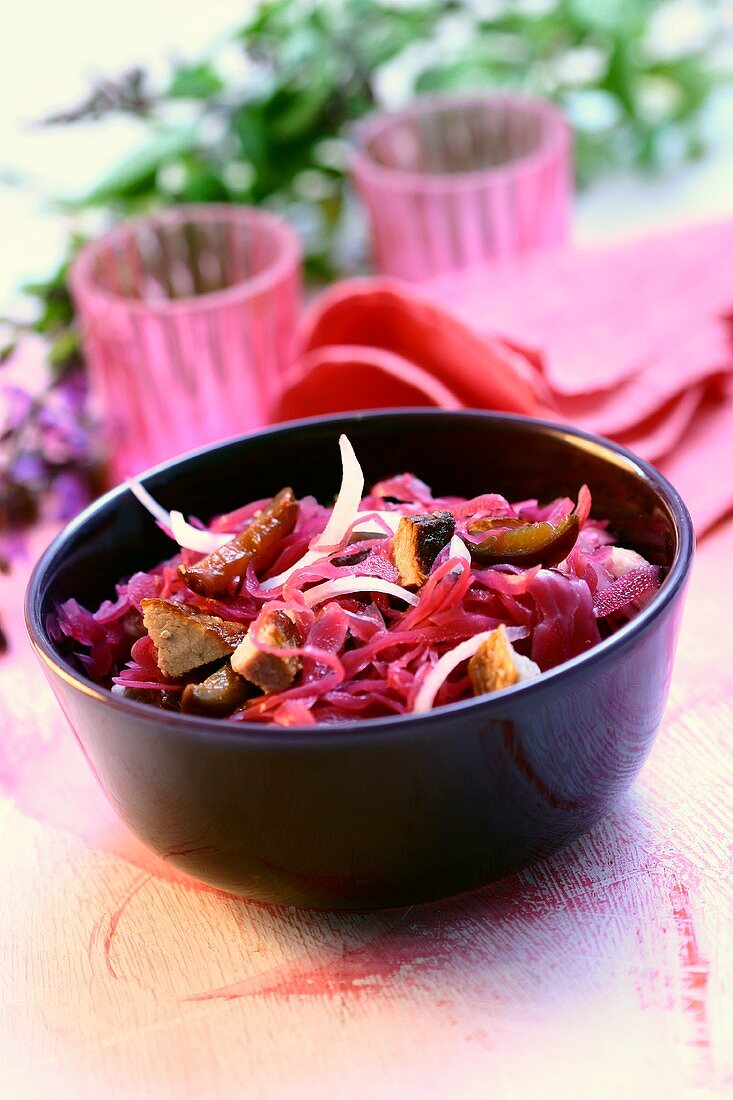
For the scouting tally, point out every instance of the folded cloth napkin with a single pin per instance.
(633, 341)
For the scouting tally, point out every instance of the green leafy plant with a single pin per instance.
(264, 118)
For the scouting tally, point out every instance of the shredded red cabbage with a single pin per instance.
(367, 651)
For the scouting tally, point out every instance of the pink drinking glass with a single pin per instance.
(188, 317)
(463, 179)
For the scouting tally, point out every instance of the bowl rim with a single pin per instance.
(343, 731)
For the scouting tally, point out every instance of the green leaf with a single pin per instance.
(203, 184)
(64, 350)
(297, 111)
(382, 35)
(197, 81)
(7, 351)
(250, 130)
(456, 77)
(139, 168)
(621, 78)
(620, 17)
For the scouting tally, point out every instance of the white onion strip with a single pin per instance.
(157, 511)
(174, 524)
(458, 549)
(192, 538)
(346, 508)
(344, 585)
(440, 671)
(344, 514)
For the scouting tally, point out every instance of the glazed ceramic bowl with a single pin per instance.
(384, 811)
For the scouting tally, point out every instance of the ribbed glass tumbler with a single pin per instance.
(188, 317)
(457, 180)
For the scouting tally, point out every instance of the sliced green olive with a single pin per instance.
(531, 544)
(216, 696)
(476, 526)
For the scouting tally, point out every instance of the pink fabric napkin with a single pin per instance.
(633, 341)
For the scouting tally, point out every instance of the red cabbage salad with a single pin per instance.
(289, 612)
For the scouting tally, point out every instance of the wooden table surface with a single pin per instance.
(603, 972)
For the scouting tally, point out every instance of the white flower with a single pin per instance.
(583, 65)
(592, 110)
(677, 29)
(238, 175)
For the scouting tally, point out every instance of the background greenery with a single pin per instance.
(264, 118)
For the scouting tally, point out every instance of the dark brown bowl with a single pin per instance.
(395, 810)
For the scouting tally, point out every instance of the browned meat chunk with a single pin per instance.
(222, 573)
(492, 666)
(216, 696)
(185, 638)
(496, 664)
(268, 671)
(417, 542)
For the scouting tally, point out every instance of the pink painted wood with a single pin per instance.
(603, 972)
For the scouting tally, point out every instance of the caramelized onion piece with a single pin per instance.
(221, 573)
(216, 696)
(528, 545)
